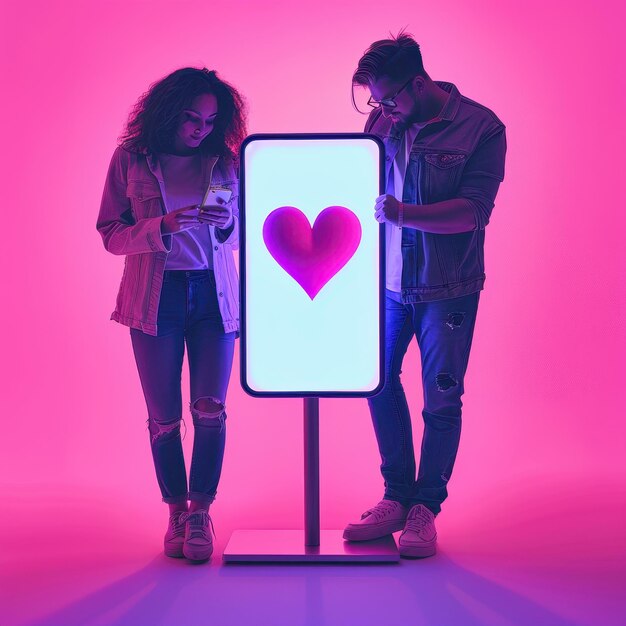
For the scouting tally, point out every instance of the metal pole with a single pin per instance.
(311, 472)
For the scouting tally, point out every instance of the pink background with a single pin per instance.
(543, 449)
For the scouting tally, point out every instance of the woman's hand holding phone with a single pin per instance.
(216, 208)
(216, 211)
(218, 215)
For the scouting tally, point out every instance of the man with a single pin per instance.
(445, 161)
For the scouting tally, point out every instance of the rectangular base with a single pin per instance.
(287, 546)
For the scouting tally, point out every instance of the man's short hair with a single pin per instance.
(397, 58)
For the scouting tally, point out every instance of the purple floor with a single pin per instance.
(67, 559)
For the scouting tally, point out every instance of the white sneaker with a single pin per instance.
(175, 535)
(419, 537)
(199, 533)
(387, 517)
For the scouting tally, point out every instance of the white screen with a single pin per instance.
(298, 342)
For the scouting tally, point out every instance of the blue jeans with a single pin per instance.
(444, 330)
(188, 314)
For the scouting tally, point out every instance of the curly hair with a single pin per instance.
(153, 121)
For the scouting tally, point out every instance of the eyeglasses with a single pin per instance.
(390, 102)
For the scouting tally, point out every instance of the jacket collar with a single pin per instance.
(452, 104)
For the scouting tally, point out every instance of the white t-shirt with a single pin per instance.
(183, 179)
(395, 185)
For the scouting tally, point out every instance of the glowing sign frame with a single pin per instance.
(246, 357)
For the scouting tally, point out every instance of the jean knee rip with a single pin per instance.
(208, 411)
(455, 319)
(161, 428)
(445, 381)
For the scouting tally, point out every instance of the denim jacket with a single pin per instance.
(129, 222)
(459, 155)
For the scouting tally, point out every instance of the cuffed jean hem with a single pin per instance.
(175, 499)
(409, 503)
(201, 498)
(405, 502)
(435, 510)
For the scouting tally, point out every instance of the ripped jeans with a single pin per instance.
(444, 331)
(188, 314)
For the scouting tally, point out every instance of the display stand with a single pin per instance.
(294, 546)
(302, 241)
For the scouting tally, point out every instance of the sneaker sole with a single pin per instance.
(368, 533)
(174, 554)
(418, 552)
(174, 551)
(198, 555)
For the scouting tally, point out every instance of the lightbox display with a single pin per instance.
(311, 265)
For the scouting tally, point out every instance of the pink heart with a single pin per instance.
(312, 256)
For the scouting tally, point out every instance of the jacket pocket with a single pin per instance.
(143, 189)
(145, 198)
(443, 171)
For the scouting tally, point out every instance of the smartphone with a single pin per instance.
(217, 195)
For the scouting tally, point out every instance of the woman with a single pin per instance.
(180, 285)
